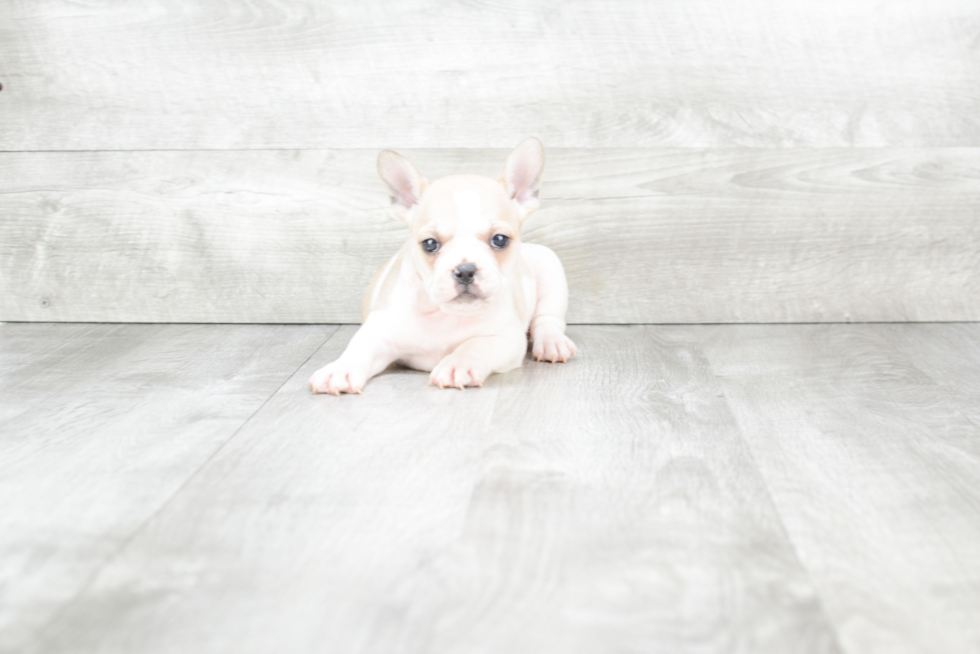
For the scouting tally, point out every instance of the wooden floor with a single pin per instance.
(752, 488)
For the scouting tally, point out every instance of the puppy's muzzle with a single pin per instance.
(465, 273)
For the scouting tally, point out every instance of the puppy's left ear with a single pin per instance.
(522, 175)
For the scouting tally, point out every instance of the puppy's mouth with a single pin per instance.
(467, 296)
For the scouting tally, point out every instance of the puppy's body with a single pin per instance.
(461, 295)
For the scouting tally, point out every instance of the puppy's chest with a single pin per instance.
(424, 340)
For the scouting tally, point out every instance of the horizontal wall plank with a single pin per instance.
(664, 236)
(181, 74)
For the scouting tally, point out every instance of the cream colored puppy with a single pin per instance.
(463, 293)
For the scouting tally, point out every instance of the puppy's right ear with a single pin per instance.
(405, 184)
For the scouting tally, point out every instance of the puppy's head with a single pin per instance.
(466, 229)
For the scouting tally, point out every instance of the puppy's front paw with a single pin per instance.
(552, 345)
(337, 378)
(454, 372)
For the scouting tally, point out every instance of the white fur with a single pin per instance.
(381, 282)
(467, 208)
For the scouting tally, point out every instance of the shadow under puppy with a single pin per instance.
(463, 293)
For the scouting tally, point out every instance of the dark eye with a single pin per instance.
(500, 241)
(430, 245)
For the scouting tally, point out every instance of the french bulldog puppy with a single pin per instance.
(462, 295)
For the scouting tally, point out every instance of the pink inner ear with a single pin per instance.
(525, 186)
(404, 192)
(525, 195)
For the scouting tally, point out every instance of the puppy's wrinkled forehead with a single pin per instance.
(465, 204)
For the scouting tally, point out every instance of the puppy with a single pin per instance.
(462, 295)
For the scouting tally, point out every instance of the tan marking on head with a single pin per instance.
(463, 213)
(464, 198)
(510, 230)
(424, 260)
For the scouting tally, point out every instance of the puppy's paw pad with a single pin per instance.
(336, 378)
(553, 347)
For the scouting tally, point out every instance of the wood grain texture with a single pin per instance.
(650, 236)
(180, 74)
(608, 504)
(875, 471)
(949, 354)
(100, 425)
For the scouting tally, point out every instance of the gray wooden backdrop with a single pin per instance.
(743, 161)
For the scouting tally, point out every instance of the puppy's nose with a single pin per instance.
(464, 273)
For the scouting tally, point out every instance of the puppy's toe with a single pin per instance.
(441, 376)
(456, 375)
(320, 381)
(553, 347)
(566, 349)
(445, 376)
(335, 379)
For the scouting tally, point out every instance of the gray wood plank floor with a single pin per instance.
(100, 425)
(754, 488)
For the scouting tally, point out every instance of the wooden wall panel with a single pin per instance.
(184, 74)
(662, 236)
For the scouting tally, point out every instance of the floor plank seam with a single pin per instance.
(142, 527)
(818, 595)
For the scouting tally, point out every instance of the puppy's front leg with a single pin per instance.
(549, 340)
(474, 359)
(366, 355)
(548, 322)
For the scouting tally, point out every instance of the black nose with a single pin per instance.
(464, 273)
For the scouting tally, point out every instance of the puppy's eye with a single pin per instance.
(430, 245)
(500, 241)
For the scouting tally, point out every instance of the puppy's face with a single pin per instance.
(466, 234)
(465, 228)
